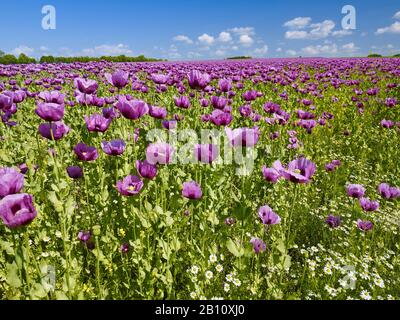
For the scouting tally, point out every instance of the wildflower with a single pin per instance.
(192, 190)
(130, 186)
(267, 216)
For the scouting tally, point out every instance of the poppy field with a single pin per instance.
(248, 179)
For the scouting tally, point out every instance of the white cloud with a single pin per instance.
(235, 48)
(249, 31)
(225, 37)
(397, 15)
(182, 38)
(291, 52)
(279, 50)
(206, 39)
(108, 50)
(342, 33)
(44, 48)
(220, 52)
(320, 50)
(394, 28)
(23, 49)
(349, 48)
(298, 23)
(261, 51)
(296, 34)
(246, 40)
(322, 29)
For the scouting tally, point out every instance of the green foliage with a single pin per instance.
(121, 58)
(239, 58)
(375, 55)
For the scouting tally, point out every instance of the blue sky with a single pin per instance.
(194, 30)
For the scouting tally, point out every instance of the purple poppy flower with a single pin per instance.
(250, 95)
(271, 174)
(364, 225)
(23, 168)
(97, 123)
(157, 112)
(109, 113)
(182, 102)
(204, 102)
(355, 191)
(85, 152)
(159, 78)
(53, 130)
(130, 186)
(206, 153)
(225, 85)
(159, 153)
(219, 102)
(268, 216)
(230, 221)
(387, 124)
(333, 221)
(118, 79)
(125, 248)
(17, 210)
(246, 110)
(388, 192)
(198, 80)
(243, 137)
(86, 86)
(169, 124)
(369, 205)
(75, 172)
(192, 190)
(221, 118)
(11, 181)
(6, 101)
(52, 97)
(258, 245)
(114, 147)
(84, 236)
(300, 170)
(146, 169)
(132, 109)
(50, 111)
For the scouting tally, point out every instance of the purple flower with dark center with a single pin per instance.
(159, 78)
(355, 191)
(192, 190)
(225, 85)
(369, 205)
(50, 111)
(364, 225)
(97, 123)
(271, 174)
(387, 124)
(109, 113)
(132, 109)
(221, 118)
(54, 130)
(246, 110)
(330, 167)
(243, 137)
(219, 102)
(333, 221)
(11, 181)
(146, 169)
(268, 216)
(230, 221)
(17, 210)
(52, 97)
(157, 112)
(169, 124)
(84, 236)
(160, 152)
(6, 101)
(204, 102)
(86, 86)
(85, 152)
(206, 153)
(182, 102)
(114, 147)
(300, 170)
(388, 192)
(250, 95)
(23, 168)
(118, 79)
(130, 186)
(258, 245)
(125, 248)
(75, 172)
(198, 80)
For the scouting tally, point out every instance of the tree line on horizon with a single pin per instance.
(24, 59)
